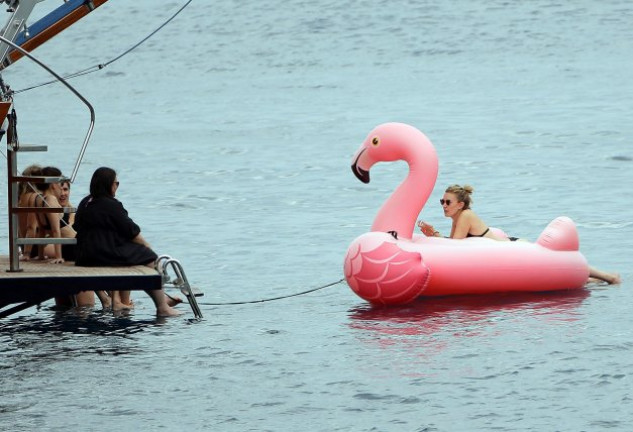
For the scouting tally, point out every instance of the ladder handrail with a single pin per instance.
(74, 91)
(161, 264)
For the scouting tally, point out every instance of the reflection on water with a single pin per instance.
(431, 314)
(432, 326)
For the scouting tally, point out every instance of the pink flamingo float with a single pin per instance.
(391, 265)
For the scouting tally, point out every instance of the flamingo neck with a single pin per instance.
(400, 211)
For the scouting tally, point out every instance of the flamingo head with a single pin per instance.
(390, 142)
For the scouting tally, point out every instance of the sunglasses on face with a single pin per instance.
(447, 202)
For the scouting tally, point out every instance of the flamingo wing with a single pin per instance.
(381, 272)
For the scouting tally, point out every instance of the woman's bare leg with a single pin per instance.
(85, 298)
(117, 304)
(104, 298)
(610, 278)
(160, 300)
(126, 298)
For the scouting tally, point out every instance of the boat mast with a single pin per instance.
(16, 24)
(31, 36)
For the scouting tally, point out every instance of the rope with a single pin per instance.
(100, 66)
(273, 298)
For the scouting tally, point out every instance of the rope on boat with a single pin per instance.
(100, 66)
(273, 298)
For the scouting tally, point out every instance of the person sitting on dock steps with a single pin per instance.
(83, 298)
(67, 221)
(27, 222)
(107, 236)
(28, 226)
(49, 223)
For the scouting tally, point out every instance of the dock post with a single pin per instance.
(12, 194)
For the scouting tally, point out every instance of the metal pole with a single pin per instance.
(12, 195)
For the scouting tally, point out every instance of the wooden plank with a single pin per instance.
(44, 269)
(39, 280)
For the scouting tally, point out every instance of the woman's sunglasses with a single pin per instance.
(447, 202)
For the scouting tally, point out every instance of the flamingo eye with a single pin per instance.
(375, 141)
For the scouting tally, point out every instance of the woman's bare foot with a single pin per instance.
(165, 311)
(117, 306)
(172, 301)
(610, 278)
(615, 279)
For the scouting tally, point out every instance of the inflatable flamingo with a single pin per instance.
(391, 265)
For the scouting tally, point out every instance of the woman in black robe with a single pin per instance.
(108, 237)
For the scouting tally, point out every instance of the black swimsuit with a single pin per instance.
(46, 225)
(484, 233)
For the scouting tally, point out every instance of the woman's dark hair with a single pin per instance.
(48, 172)
(31, 170)
(101, 182)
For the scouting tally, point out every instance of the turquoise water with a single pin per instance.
(233, 130)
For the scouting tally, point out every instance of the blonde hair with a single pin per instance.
(463, 194)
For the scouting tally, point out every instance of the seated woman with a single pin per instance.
(67, 221)
(27, 222)
(49, 223)
(456, 205)
(107, 236)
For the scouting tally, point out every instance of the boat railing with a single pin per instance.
(13, 147)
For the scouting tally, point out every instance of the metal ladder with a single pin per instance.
(163, 264)
(13, 178)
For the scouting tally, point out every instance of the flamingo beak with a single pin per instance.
(361, 174)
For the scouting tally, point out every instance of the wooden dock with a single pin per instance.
(41, 281)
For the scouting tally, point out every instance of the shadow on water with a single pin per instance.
(79, 321)
(68, 333)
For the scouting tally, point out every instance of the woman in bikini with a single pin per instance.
(27, 222)
(456, 205)
(50, 223)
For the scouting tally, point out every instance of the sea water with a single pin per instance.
(232, 131)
